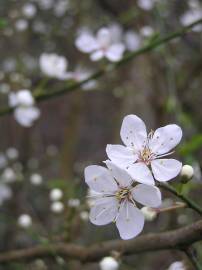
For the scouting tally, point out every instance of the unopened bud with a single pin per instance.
(186, 173)
(149, 213)
(108, 263)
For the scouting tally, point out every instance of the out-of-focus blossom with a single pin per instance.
(192, 15)
(57, 207)
(8, 175)
(24, 221)
(84, 215)
(21, 25)
(61, 7)
(25, 112)
(4, 88)
(36, 179)
(132, 40)
(146, 4)
(54, 66)
(116, 199)
(45, 4)
(73, 203)
(108, 263)
(100, 46)
(146, 151)
(81, 74)
(146, 31)
(149, 213)
(179, 265)
(5, 193)
(56, 194)
(29, 10)
(12, 153)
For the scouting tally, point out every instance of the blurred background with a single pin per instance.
(42, 189)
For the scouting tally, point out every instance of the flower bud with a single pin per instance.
(24, 221)
(108, 263)
(186, 173)
(149, 213)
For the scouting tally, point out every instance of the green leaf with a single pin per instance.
(191, 146)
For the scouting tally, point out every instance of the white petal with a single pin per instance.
(165, 169)
(103, 37)
(120, 155)
(141, 173)
(104, 211)
(100, 179)
(115, 52)
(130, 221)
(122, 177)
(25, 116)
(97, 55)
(147, 195)
(165, 139)
(86, 43)
(133, 132)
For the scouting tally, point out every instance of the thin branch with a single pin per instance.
(188, 201)
(175, 239)
(192, 258)
(110, 67)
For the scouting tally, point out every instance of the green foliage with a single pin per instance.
(3, 23)
(191, 146)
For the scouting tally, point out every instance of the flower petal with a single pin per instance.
(100, 179)
(165, 139)
(141, 173)
(86, 43)
(130, 221)
(133, 132)
(122, 177)
(115, 52)
(104, 211)
(97, 55)
(120, 155)
(103, 37)
(147, 195)
(165, 169)
(25, 116)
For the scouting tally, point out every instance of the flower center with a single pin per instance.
(122, 194)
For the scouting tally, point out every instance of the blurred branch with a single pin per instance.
(191, 254)
(179, 239)
(40, 96)
(189, 202)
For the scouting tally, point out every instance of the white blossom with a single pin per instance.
(12, 153)
(143, 154)
(36, 179)
(84, 215)
(25, 111)
(53, 65)
(57, 207)
(3, 161)
(178, 265)
(149, 213)
(21, 25)
(102, 45)
(187, 172)
(117, 197)
(5, 193)
(56, 194)
(108, 263)
(146, 31)
(73, 202)
(24, 221)
(8, 175)
(29, 10)
(146, 4)
(132, 40)
(191, 16)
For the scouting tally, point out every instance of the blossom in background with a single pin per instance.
(146, 4)
(146, 31)
(5, 193)
(149, 213)
(36, 179)
(55, 194)
(81, 74)
(53, 65)
(177, 266)
(143, 154)
(25, 111)
(132, 40)
(115, 201)
(57, 207)
(108, 263)
(24, 221)
(103, 45)
(12, 153)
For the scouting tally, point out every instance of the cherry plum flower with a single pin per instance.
(143, 154)
(116, 197)
(53, 65)
(103, 45)
(25, 111)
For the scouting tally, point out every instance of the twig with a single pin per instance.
(110, 67)
(189, 202)
(176, 239)
(192, 258)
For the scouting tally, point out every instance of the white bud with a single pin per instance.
(12, 153)
(177, 266)
(108, 263)
(186, 173)
(84, 215)
(36, 179)
(24, 221)
(8, 175)
(73, 202)
(56, 194)
(57, 207)
(149, 213)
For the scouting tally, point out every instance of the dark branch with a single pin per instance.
(175, 239)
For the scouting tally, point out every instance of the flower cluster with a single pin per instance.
(129, 179)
